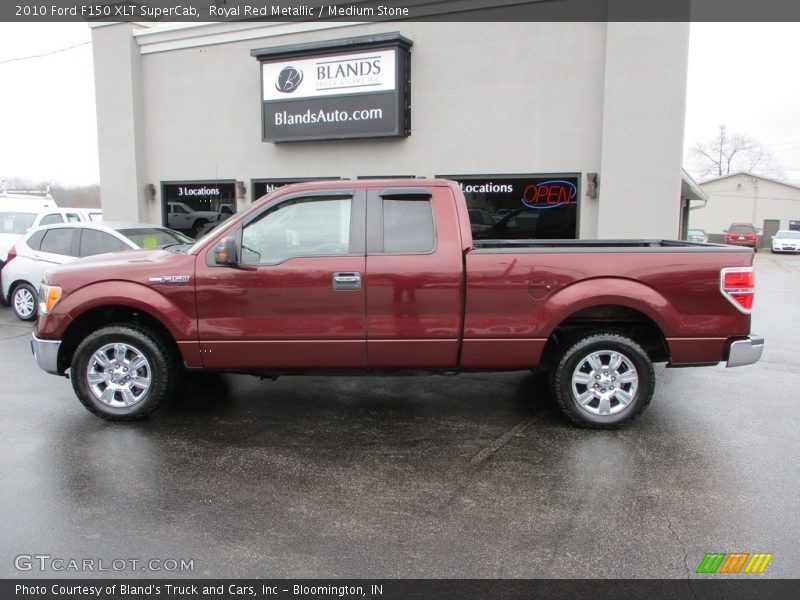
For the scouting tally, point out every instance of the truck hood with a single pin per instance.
(138, 266)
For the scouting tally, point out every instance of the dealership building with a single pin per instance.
(576, 126)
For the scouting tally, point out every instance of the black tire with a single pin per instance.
(162, 369)
(22, 292)
(610, 403)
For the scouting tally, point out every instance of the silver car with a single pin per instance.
(697, 235)
(46, 247)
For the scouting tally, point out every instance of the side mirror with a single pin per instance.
(225, 253)
(724, 231)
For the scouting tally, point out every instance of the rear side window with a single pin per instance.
(58, 241)
(407, 226)
(51, 219)
(35, 241)
(99, 242)
(73, 218)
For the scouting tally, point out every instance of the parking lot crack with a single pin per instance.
(685, 555)
(478, 461)
(493, 448)
(12, 337)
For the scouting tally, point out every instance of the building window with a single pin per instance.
(194, 207)
(521, 206)
(262, 187)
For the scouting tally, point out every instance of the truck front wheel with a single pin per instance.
(602, 380)
(123, 373)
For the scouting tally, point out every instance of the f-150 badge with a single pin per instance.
(171, 279)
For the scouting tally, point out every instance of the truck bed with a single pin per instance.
(603, 246)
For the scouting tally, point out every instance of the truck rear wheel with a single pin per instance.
(123, 373)
(602, 380)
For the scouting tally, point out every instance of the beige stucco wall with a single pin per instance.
(487, 98)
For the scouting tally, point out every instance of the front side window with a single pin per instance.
(302, 227)
(58, 241)
(407, 226)
(73, 218)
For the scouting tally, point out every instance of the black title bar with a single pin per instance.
(391, 10)
(740, 588)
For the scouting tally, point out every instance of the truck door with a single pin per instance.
(297, 298)
(414, 278)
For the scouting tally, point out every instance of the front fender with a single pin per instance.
(173, 307)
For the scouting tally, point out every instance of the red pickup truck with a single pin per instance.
(380, 276)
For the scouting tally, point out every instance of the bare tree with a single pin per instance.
(83, 196)
(730, 153)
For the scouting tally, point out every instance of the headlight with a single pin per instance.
(48, 296)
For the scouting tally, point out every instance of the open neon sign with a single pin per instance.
(549, 194)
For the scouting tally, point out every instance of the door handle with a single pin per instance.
(346, 280)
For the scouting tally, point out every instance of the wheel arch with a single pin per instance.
(101, 316)
(16, 283)
(618, 318)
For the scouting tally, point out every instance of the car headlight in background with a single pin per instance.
(48, 296)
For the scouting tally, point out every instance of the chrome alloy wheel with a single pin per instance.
(604, 382)
(119, 375)
(24, 302)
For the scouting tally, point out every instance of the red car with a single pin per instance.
(385, 276)
(742, 234)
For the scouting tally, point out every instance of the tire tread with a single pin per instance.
(564, 397)
(167, 357)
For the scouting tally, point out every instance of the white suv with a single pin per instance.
(17, 217)
(47, 247)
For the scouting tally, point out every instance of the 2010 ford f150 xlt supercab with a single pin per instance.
(380, 276)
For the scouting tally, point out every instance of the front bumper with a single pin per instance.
(745, 352)
(46, 353)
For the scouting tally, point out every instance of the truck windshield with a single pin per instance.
(16, 222)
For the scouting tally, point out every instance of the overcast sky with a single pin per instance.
(742, 75)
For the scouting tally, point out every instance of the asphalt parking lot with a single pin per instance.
(471, 476)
